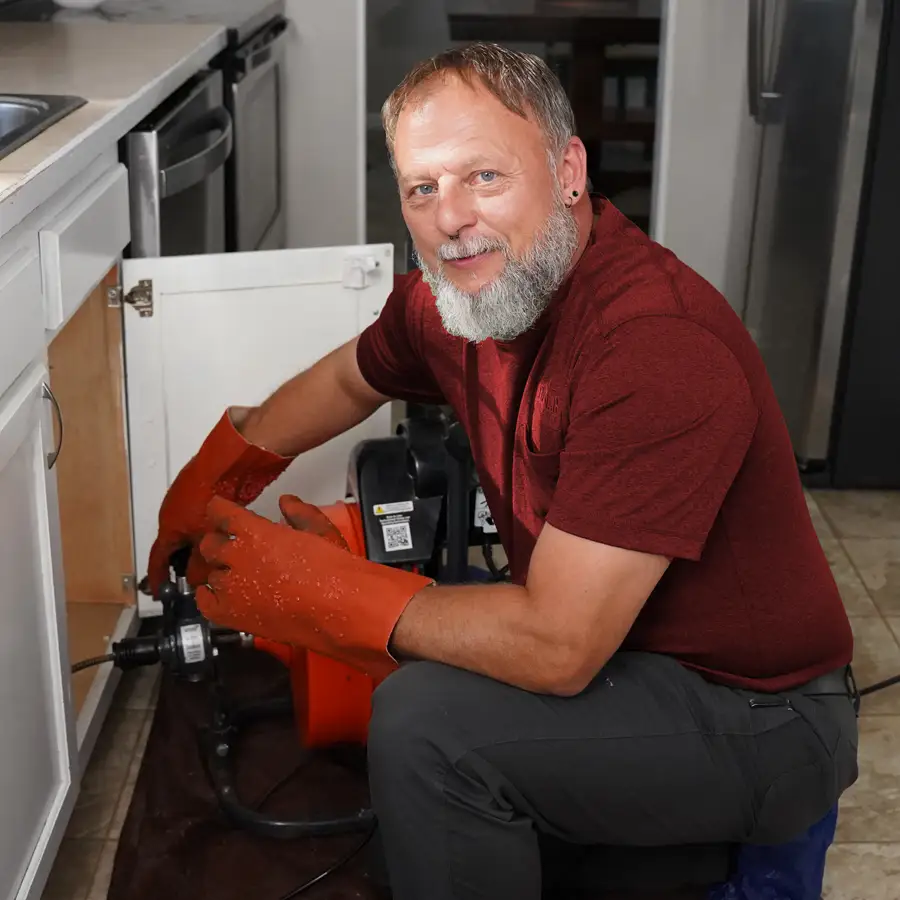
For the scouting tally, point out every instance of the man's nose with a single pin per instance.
(455, 210)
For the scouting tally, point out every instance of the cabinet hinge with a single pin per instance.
(140, 297)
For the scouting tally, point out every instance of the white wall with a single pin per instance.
(325, 121)
(707, 144)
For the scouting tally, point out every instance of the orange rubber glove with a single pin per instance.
(307, 517)
(298, 588)
(226, 465)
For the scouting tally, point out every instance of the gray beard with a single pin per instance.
(510, 304)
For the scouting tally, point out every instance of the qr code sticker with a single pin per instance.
(397, 536)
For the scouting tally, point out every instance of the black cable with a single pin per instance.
(879, 686)
(93, 661)
(278, 786)
(331, 870)
(488, 552)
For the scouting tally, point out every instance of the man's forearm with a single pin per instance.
(312, 408)
(495, 630)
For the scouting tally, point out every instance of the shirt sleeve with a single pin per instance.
(661, 416)
(390, 351)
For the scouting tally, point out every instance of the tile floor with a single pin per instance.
(85, 862)
(861, 534)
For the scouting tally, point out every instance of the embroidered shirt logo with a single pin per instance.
(546, 404)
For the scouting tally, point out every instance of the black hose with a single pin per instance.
(93, 661)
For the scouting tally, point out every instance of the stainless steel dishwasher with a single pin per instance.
(255, 173)
(176, 162)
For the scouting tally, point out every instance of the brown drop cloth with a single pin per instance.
(176, 845)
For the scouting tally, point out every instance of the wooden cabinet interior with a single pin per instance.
(87, 379)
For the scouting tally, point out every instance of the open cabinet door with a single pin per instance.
(206, 332)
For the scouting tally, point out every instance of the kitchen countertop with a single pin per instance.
(241, 17)
(123, 71)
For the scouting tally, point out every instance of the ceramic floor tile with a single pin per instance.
(857, 601)
(870, 809)
(878, 562)
(94, 811)
(876, 657)
(127, 793)
(114, 749)
(823, 529)
(863, 872)
(99, 888)
(107, 773)
(894, 625)
(861, 514)
(138, 689)
(73, 870)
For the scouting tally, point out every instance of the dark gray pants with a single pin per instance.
(465, 771)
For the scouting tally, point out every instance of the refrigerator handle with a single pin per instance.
(754, 55)
(762, 100)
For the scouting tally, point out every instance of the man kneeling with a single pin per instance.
(669, 664)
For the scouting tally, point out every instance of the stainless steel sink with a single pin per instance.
(25, 116)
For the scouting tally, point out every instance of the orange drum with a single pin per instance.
(332, 701)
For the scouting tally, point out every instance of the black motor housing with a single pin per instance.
(415, 494)
(400, 527)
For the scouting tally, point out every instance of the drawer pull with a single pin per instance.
(48, 395)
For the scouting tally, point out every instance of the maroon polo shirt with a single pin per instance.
(638, 413)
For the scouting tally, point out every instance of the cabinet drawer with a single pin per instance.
(21, 314)
(81, 245)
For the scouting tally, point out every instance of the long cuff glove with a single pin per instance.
(226, 465)
(298, 588)
(309, 518)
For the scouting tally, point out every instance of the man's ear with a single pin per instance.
(572, 169)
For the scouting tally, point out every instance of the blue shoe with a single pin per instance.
(791, 871)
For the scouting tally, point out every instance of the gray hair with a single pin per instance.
(522, 82)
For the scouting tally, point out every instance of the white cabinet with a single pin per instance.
(21, 317)
(36, 745)
(228, 329)
(66, 557)
(80, 244)
(126, 391)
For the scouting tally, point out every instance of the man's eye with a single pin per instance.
(487, 177)
(423, 190)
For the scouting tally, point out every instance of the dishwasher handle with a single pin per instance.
(182, 175)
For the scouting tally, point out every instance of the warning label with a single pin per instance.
(483, 518)
(389, 509)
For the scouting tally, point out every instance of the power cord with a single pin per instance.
(498, 574)
(296, 892)
(93, 661)
(879, 686)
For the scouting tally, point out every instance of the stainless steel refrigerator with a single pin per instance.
(811, 85)
(776, 178)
